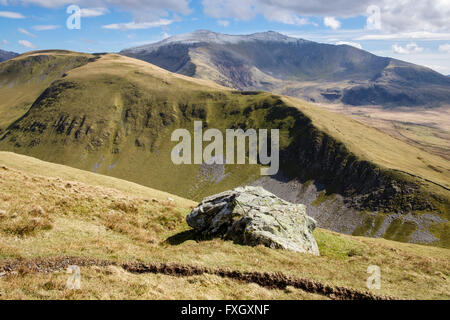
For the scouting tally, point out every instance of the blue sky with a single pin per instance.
(415, 31)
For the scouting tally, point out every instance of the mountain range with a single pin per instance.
(6, 55)
(300, 68)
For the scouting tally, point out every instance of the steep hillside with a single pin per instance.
(138, 246)
(296, 67)
(24, 78)
(114, 115)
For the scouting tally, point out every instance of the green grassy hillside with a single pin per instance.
(23, 79)
(54, 214)
(114, 115)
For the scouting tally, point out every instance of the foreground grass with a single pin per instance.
(44, 216)
(114, 283)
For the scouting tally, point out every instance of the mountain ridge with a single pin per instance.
(7, 55)
(203, 35)
(312, 71)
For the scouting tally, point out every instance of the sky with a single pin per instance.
(410, 30)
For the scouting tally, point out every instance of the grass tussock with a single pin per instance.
(139, 218)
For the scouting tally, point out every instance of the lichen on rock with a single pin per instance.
(254, 216)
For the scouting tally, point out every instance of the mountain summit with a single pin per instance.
(206, 36)
(312, 71)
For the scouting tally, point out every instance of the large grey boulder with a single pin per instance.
(253, 216)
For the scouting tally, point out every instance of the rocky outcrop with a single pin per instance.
(254, 216)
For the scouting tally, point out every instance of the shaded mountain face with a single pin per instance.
(115, 115)
(6, 55)
(300, 68)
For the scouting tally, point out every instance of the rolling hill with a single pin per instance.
(114, 115)
(131, 242)
(312, 71)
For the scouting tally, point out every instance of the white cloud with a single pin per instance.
(350, 43)
(22, 30)
(408, 49)
(11, 15)
(223, 23)
(331, 22)
(134, 25)
(286, 17)
(45, 27)
(248, 9)
(445, 48)
(142, 10)
(5, 41)
(93, 12)
(27, 44)
(422, 35)
(395, 15)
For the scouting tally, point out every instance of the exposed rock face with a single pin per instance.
(253, 216)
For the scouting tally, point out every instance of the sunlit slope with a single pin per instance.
(49, 211)
(115, 115)
(373, 145)
(47, 169)
(24, 78)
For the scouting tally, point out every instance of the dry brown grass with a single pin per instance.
(115, 283)
(105, 223)
(47, 169)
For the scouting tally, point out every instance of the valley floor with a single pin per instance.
(47, 214)
(427, 129)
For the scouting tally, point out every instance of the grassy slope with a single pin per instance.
(104, 92)
(46, 216)
(38, 167)
(24, 78)
(375, 146)
(115, 283)
(114, 116)
(365, 142)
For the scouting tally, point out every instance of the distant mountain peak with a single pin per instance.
(6, 55)
(271, 61)
(207, 36)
